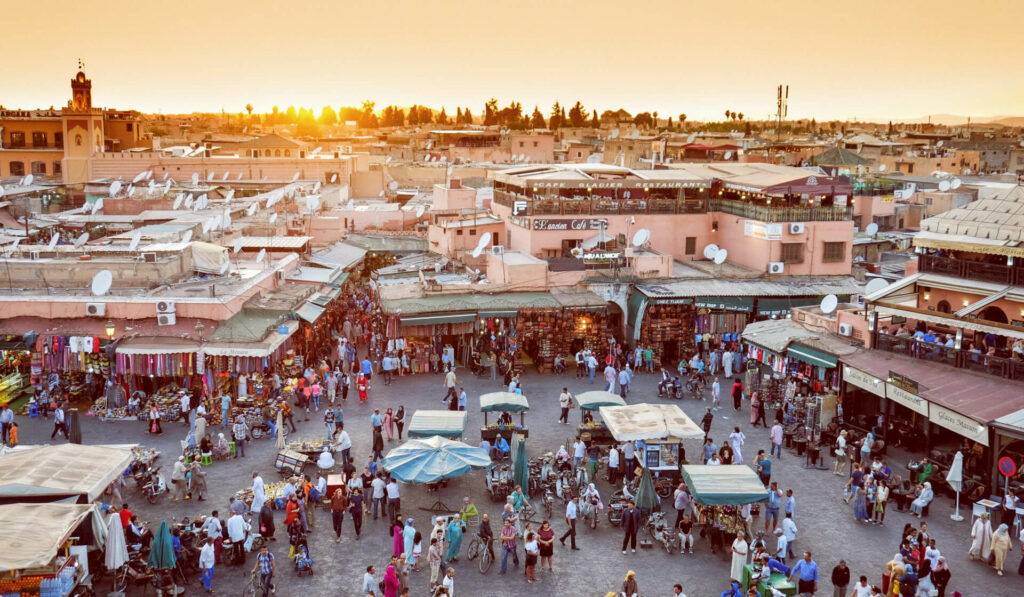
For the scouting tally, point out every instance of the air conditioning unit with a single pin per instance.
(845, 329)
(34, 255)
(166, 319)
(165, 306)
(95, 309)
(776, 267)
(498, 250)
(280, 275)
(149, 257)
(796, 228)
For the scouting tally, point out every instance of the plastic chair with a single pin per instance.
(232, 446)
(206, 458)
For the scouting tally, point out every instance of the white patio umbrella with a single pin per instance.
(955, 478)
(592, 242)
(117, 549)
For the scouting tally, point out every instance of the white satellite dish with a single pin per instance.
(614, 135)
(101, 282)
(944, 185)
(388, 160)
(115, 187)
(187, 237)
(226, 175)
(239, 177)
(209, 177)
(420, 210)
(224, 267)
(29, 179)
(261, 256)
(98, 205)
(139, 176)
(296, 177)
(955, 184)
(393, 185)
(484, 241)
(576, 252)
(334, 178)
(720, 256)
(875, 285)
(476, 252)
(316, 187)
(237, 246)
(641, 237)
(939, 144)
(207, 224)
(710, 250)
(195, 178)
(167, 187)
(272, 219)
(152, 185)
(187, 202)
(829, 304)
(451, 168)
(1, 191)
(444, 158)
(136, 239)
(691, 138)
(166, 175)
(225, 221)
(82, 239)
(881, 167)
(727, 156)
(230, 195)
(204, 201)
(871, 229)
(437, 267)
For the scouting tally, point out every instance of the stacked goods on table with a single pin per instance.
(273, 492)
(308, 446)
(668, 323)
(167, 400)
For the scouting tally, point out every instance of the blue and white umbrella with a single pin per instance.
(433, 459)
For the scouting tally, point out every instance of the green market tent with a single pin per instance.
(446, 423)
(596, 399)
(724, 485)
(520, 464)
(503, 402)
(646, 498)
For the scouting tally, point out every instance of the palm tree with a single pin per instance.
(727, 113)
(740, 116)
(248, 108)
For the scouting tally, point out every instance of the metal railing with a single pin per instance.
(772, 214)
(972, 270)
(998, 366)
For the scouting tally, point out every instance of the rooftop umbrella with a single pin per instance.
(74, 427)
(116, 550)
(646, 498)
(161, 552)
(955, 478)
(433, 459)
(520, 464)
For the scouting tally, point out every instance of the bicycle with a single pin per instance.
(696, 387)
(254, 586)
(478, 548)
(529, 514)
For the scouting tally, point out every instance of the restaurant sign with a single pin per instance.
(630, 184)
(958, 423)
(762, 230)
(907, 399)
(569, 224)
(903, 382)
(863, 381)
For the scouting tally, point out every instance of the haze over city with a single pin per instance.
(873, 60)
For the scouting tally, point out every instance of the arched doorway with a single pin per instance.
(994, 314)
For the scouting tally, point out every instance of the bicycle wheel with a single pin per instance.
(473, 551)
(485, 560)
(250, 590)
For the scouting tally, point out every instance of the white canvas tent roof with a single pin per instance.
(34, 532)
(649, 422)
(61, 471)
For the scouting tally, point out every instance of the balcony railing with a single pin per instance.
(999, 366)
(772, 214)
(563, 206)
(972, 270)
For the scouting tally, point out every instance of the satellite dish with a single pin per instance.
(187, 202)
(251, 210)
(29, 179)
(149, 174)
(204, 201)
(316, 187)
(484, 241)
(350, 205)
(167, 187)
(691, 138)
(871, 229)
(477, 251)
(334, 178)
(296, 177)
(944, 185)
(187, 237)
(82, 239)
(136, 239)
(230, 195)
(195, 178)
(614, 135)
(209, 177)
(710, 250)
(96, 206)
(139, 176)
(131, 189)
(261, 256)
(955, 184)
(641, 237)
(115, 187)
(939, 144)
(225, 221)
(727, 156)
(237, 246)
(239, 177)
(152, 185)
(101, 282)
(829, 304)
(720, 256)
(166, 175)
(420, 210)
(272, 219)
(875, 285)
(207, 224)
(381, 194)
(881, 167)
(224, 267)
(1, 191)
(226, 174)
(393, 185)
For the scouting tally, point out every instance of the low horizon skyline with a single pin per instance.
(699, 59)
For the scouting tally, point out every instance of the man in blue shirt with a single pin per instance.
(462, 398)
(710, 449)
(385, 367)
(367, 368)
(806, 570)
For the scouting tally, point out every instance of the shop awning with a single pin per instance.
(81, 472)
(503, 402)
(725, 303)
(322, 300)
(723, 485)
(156, 346)
(649, 422)
(437, 318)
(264, 348)
(811, 356)
(310, 311)
(779, 307)
(499, 313)
(340, 279)
(596, 399)
(34, 533)
(446, 423)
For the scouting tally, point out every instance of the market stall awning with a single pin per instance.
(649, 422)
(503, 402)
(811, 356)
(596, 399)
(310, 311)
(724, 485)
(61, 471)
(33, 533)
(325, 299)
(263, 348)
(725, 303)
(437, 318)
(446, 423)
(485, 314)
(153, 345)
(340, 279)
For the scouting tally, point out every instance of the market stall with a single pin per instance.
(433, 460)
(589, 429)
(663, 435)
(45, 548)
(62, 472)
(504, 403)
(445, 423)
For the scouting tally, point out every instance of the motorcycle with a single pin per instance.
(153, 484)
(661, 531)
(671, 389)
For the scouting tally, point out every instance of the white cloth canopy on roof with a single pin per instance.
(34, 532)
(62, 471)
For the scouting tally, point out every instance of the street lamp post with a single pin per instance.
(200, 328)
(110, 330)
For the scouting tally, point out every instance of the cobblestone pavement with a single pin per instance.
(826, 524)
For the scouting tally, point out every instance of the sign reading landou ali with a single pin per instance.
(569, 224)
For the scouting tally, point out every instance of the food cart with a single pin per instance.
(64, 472)
(43, 555)
(588, 429)
(663, 435)
(504, 403)
(446, 423)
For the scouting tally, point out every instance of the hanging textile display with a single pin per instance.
(178, 364)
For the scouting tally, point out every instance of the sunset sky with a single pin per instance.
(842, 59)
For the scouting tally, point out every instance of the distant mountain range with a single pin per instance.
(956, 120)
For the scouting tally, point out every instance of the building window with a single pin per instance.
(691, 245)
(458, 232)
(472, 231)
(943, 307)
(535, 144)
(78, 140)
(792, 252)
(58, 140)
(38, 168)
(287, 153)
(834, 252)
(38, 139)
(522, 144)
(17, 168)
(128, 126)
(17, 139)
(927, 200)
(277, 153)
(579, 154)
(57, 171)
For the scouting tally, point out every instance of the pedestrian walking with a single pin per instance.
(356, 509)
(737, 393)
(508, 544)
(737, 438)
(339, 504)
(207, 561)
(777, 434)
(630, 525)
(399, 420)
(806, 571)
(706, 422)
(571, 510)
(565, 402)
(60, 424)
(1000, 545)
(240, 432)
(840, 579)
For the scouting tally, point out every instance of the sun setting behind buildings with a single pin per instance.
(230, 221)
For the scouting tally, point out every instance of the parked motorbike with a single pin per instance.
(153, 484)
